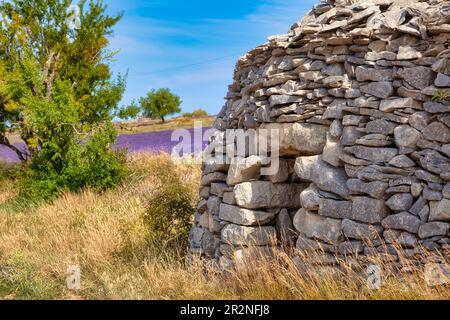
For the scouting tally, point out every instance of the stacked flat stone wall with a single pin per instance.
(359, 92)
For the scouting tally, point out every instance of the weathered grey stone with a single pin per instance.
(399, 103)
(442, 80)
(310, 198)
(435, 107)
(374, 189)
(306, 245)
(336, 129)
(298, 138)
(440, 211)
(418, 77)
(285, 227)
(408, 240)
(433, 229)
(213, 205)
(400, 202)
(204, 192)
(420, 120)
(282, 174)
(437, 131)
(219, 188)
(240, 235)
(403, 221)
(332, 151)
(383, 55)
(244, 217)
(418, 206)
(195, 237)
(375, 140)
(228, 198)
(426, 176)
(361, 231)
(335, 209)
(416, 189)
(408, 53)
(446, 191)
(244, 169)
(213, 177)
(318, 227)
(371, 74)
(351, 247)
(383, 89)
(364, 14)
(380, 126)
(405, 136)
(402, 161)
(367, 102)
(373, 154)
(264, 194)
(391, 236)
(350, 135)
(368, 210)
(276, 100)
(326, 177)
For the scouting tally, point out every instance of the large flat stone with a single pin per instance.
(368, 210)
(244, 217)
(325, 176)
(244, 169)
(241, 236)
(264, 194)
(382, 89)
(375, 189)
(361, 231)
(403, 221)
(399, 103)
(318, 227)
(297, 139)
(440, 211)
(373, 154)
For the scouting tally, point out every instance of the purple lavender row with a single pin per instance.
(153, 142)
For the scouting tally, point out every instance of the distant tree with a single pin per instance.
(160, 104)
(129, 112)
(199, 113)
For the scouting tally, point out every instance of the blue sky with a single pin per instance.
(192, 46)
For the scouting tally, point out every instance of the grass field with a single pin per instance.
(157, 125)
(107, 236)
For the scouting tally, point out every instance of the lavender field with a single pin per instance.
(153, 142)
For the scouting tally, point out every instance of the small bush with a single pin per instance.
(199, 113)
(85, 164)
(170, 208)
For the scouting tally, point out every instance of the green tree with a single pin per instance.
(129, 112)
(56, 87)
(160, 104)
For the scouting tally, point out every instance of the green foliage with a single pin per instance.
(129, 112)
(88, 163)
(199, 113)
(56, 90)
(160, 103)
(170, 208)
(441, 96)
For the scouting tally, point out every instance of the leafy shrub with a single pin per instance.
(199, 113)
(170, 208)
(88, 163)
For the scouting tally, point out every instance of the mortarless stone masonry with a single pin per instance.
(365, 149)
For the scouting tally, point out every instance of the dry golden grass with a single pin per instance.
(106, 236)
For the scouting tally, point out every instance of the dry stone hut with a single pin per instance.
(359, 93)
